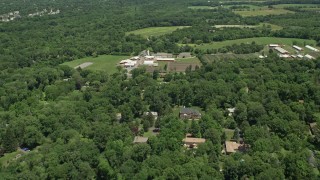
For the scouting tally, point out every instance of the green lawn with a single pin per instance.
(106, 63)
(155, 31)
(229, 134)
(258, 40)
(8, 157)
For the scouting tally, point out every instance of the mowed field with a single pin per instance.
(106, 63)
(258, 40)
(155, 31)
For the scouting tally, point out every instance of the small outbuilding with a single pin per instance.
(140, 139)
(184, 55)
(189, 113)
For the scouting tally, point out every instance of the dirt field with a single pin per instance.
(181, 66)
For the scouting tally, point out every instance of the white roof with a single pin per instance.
(231, 110)
(297, 47)
(309, 56)
(273, 45)
(300, 56)
(312, 48)
(149, 57)
(281, 50)
(165, 59)
(148, 62)
(284, 55)
(135, 58)
(126, 61)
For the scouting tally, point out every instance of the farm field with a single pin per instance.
(155, 31)
(212, 57)
(263, 12)
(258, 40)
(106, 63)
(296, 5)
(201, 7)
(188, 60)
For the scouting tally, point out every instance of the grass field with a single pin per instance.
(258, 40)
(201, 7)
(155, 31)
(106, 63)
(273, 26)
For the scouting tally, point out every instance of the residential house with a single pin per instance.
(191, 142)
(231, 111)
(189, 113)
(232, 147)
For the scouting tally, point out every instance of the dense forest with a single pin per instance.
(65, 122)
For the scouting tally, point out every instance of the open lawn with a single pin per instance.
(258, 40)
(106, 63)
(155, 31)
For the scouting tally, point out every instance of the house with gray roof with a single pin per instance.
(189, 113)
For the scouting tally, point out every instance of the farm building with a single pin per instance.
(189, 113)
(281, 50)
(140, 139)
(165, 59)
(135, 58)
(307, 56)
(149, 57)
(163, 55)
(184, 55)
(300, 56)
(148, 63)
(191, 142)
(273, 45)
(297, 48)
(128, 63)
(284, 56)
(312, 48)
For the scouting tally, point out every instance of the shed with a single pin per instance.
(189, 113)
(312, 48)
(163, 55)
(140, 139)
(297, 48)
(185, 55)
(309, 57)
(281, 50)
